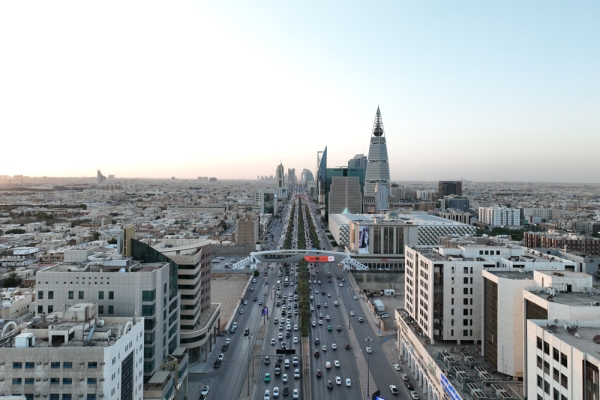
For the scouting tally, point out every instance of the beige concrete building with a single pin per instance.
(247, 229)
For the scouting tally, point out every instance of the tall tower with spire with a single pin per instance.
(378, 168)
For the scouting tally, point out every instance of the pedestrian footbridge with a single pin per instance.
(294, 256)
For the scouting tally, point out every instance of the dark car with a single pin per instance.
(246, 332)
(319, 374)
(267, 360)
(232, 330)
(329, 385)
(316, 353)
(347, 346)
(409, 386)
(339, 328)
(317, 341)
(286, 391)
(217, 363)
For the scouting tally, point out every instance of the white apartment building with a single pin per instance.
(120, 287)
(75, 355)
(563, 363)
(499, 216)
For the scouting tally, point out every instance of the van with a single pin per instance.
(286, 364)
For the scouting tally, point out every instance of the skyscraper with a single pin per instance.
(446, 188)
(378, 169)
(280, 176)
(322, 176)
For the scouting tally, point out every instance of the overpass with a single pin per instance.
(294, 256)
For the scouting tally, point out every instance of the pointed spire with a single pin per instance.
(378, 125)
(378, 112)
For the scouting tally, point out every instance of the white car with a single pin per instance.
(327, 318)
(393, 389)
(328, 294)
(348, 383)
(324, 348)
(254, 280)
(295, 394)
(338, 380)
(369, 350)
(280, 336)
(333, 346)
(272, 342)
(295, 327)
(352, 313)
(397, 367)
(320, 322)
(336, 363)
(227, 340)
(355, 298)
(295, 339)
(314, 324)
(284, 378)
(267, 395)
(221, 356)
(204, 391)
(276, 391)
(296, 373)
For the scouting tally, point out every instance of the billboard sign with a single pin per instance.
(319, 259)
(363, 239)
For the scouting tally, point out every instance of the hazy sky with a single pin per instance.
(483, 90)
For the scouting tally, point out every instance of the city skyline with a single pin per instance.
(476, 91)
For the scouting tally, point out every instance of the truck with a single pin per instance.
(277, 369)
(378, 305)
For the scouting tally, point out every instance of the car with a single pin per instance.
(276, 391)
(337, 363)
(295, 327)
(280, 327)
(284, 378)
(318, 306)
(333, 346)
(260, 303)
(329, 385)
(325, 305)
(404, 377)
(280, 336)
(204, 391)
(328, 318)
(316, 341)
(352, 313)
(267, 360)
(221, 357)
(328, 294)
(283, 345)
(369, 350)
(295, 361)
(339, 328)
(393, 389)
(295, 339)
(323, 293)
(329, 328)
(287, 335)
(321, 315)
(314, 324)
(324, 348)
(252, 289)
(341, 285)
(397, 367)
(296, 373)
(267, 395)
(286, 391)
(217, 363)
(361, 320)
(319, 373)
(254, 280)
(355, 298)
(316, 353)
(338, 380)
(384, 315)
(227, 340)
(241, 310)
(409, 386)
(347, 346)
(296, 394)
(272, 342)
(414, 395)
(267, 377)
(247, 332)
(348, 382)
(295, 312)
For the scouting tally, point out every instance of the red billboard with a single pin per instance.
(319, 259)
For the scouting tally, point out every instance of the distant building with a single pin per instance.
(265, 201)
(378, 168)
(99, 177)
(499, 216)
(321, 188)
(564, 241)
(447, 188)
(330, 173)
(455, 202)
(280, 176)
(247, 229)
(212, 179)
(345, 194)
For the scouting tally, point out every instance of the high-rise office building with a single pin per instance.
(322, 176)
(345, 194)
(292, 177)
(359, 162)
(99, 177)
(446, 188)
(378, 168)
(280, 176)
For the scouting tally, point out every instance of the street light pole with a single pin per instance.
(368, 339)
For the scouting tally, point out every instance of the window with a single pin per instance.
(452, 300)
(546, 348)
(110, 309)
(17, 381)
(101, 295)
(29, 365)
(54, 396)
(29, 381)
(91, 381)
(81, 295)
(452, 291)
(564, 381)
(67, 381)
(50, 294)
(111, 295)
(466, 311)
(71, 295)
(563, 359)
(539, 343)
(40, 295)
(465, 270)
(555, 374)
(148, 295)
(55, 365)
(547, 387)
(67, 365)
(465, 290)
(92, 364)
(556, 395)
(40, 309)
(55, 381)
(17, 365)
(465, 333)
(555, 353)
(67, 396)
(91, 396)
(539, 362)
(540, 382)
(466, 281)
(100, 309)
(466, 302)
(451, 311)
(465, 322)
(546, 367)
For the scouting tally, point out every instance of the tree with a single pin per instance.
(256, 272)
(96, 235)
(12, 280)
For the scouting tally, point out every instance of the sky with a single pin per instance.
(478, 90)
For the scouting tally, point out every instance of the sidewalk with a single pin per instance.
(390, 348)
(368, 313)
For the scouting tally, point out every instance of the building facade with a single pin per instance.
(378, 169)
(499, 216)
